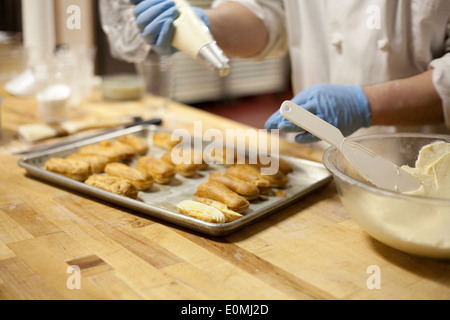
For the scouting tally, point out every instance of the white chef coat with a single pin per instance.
(357, 42)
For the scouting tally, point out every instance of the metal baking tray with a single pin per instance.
(160, 202)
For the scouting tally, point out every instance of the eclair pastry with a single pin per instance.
(188, 169)
(276, 180)
(283, 165)
(119, 186)
(225, 156)
(141, 180)
(230, 215)
(218, 192)
(138, 144)
(249, 174)
(161, 171)
(201, 211)
(114, 152)
(125, 151)
(73, 169)
(96, 162)
(244, 188)
(164, 140)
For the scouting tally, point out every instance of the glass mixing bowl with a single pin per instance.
(412, 224)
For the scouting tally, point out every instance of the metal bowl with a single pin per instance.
(412, 224)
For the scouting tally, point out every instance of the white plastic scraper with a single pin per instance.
(379, 171)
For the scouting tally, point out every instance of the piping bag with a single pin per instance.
(193, 37)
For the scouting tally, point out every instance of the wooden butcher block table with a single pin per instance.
(309, 250)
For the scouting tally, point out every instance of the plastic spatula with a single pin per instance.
(374, 168)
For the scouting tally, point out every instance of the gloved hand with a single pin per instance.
(155, 20)
(345, 107)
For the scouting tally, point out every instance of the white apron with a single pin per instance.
(357, 42)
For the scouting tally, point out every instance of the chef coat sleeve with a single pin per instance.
(271, 12)
(441, 78)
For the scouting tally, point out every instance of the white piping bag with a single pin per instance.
(194, 38)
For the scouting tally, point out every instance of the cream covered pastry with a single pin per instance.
(201, 211)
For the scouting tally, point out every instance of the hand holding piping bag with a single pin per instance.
(171, 26)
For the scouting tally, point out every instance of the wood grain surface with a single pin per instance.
(310, 250)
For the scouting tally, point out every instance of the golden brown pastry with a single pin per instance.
(248, 173)
(230, 215)
(164, 140)
(138, 144)
(114, 151)
(277, 180)
(185, 169)
(96, 162)
(161, 171)
(125, 151)
(218, 192)
(244, 188)
(73, 169)
(140, 179)
(96, 150)
(198, 158)
(167, 157)
(283, 165)
(225, 156)
(116, 185)
(201, 211)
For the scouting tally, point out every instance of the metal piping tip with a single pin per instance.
(215, 59)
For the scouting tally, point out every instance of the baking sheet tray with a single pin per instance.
(160, 201)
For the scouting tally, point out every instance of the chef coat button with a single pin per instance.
(383, 44)
(336, 40)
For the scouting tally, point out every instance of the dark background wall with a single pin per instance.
(10, 15)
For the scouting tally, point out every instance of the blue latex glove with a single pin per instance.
(345, 107)
(155, 20)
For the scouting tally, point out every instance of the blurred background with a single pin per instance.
(250, 94)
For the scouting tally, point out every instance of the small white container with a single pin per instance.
(54, 102)
(54, 89)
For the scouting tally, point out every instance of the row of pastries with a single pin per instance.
(105, 166)
(234, 190)
(223, 198)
